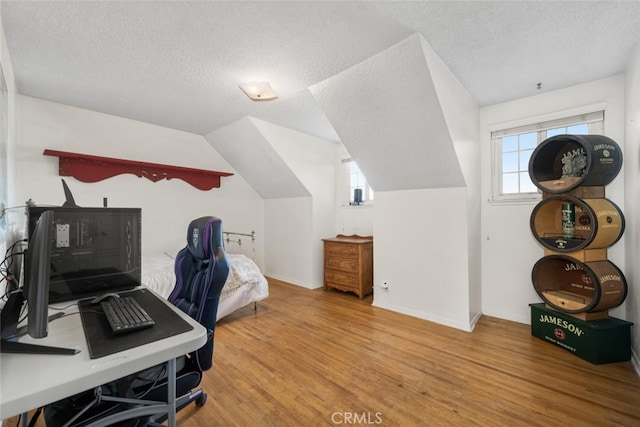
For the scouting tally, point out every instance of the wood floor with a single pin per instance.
(322, 358)
(318, 358)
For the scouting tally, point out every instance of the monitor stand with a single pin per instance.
(7, 346)
(10, 331)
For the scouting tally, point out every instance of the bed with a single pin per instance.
(245, 284)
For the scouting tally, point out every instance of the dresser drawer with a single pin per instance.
(349, 265)
(343, 250)
(343, 279)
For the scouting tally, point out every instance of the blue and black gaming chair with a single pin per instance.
(201, 270)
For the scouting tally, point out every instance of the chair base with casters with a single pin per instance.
(122, 403)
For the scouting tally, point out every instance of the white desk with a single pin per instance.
(29, 381)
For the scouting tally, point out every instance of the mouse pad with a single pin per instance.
(102, 342)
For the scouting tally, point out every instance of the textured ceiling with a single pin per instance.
(353, 72)
(178, 63)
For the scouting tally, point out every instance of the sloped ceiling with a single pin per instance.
(247, 150)
(385, 111)
(300, 112)
(387, 114)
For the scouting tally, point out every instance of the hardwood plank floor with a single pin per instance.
(321, 358)
(314, 357)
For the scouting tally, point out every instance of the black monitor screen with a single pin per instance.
(94, 250)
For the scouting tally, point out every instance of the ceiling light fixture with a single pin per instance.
(259, 91)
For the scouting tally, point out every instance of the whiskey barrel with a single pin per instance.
(572, 286)
(597, 223)
(564, 162)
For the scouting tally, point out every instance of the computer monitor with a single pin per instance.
(35, 289)
(94, 250)
(36, 275)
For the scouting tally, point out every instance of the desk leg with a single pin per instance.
(171, 392)
(25, 419)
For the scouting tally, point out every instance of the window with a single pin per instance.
(512, 149)
(355, 179)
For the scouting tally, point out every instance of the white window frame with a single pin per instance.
(594, 119)
(346, 192)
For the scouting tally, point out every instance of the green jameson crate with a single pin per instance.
(596, 341)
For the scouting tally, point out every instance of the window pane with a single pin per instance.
(581, 129)
(557, 131)
(510, 143)
(524, 159)
(528, 141)
(510, 162)
(510, 183)
(358, 180)
(526, 185)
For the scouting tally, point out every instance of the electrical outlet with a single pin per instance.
(384, 286)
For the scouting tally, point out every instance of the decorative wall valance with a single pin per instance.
(87, 168)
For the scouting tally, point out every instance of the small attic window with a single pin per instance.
(352, 179)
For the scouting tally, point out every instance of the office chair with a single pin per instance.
(201, 270)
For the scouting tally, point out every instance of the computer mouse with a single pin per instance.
(103, 297)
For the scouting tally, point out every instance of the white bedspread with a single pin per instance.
(245, 283)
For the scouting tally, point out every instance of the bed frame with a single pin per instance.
(245, 283)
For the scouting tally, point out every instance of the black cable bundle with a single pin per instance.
(6, 273)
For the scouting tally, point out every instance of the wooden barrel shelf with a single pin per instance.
(576, 223)
(571, 286)
(598, 223)
(563, 162)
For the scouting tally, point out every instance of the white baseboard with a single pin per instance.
(467, 327)
(292, 282)
(475, 321)
(526, 319)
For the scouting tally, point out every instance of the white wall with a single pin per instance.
(354, 220)
(288, 225)
(509, 250)
(420, 250)
(167, 206)
(426, 242)
(313, 160)
(462, 116)
(632, 201)
(10, 232)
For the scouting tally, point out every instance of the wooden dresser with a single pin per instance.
(348, 264)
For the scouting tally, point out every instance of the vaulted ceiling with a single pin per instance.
(179, 63)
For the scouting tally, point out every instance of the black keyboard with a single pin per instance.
(124, 314)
